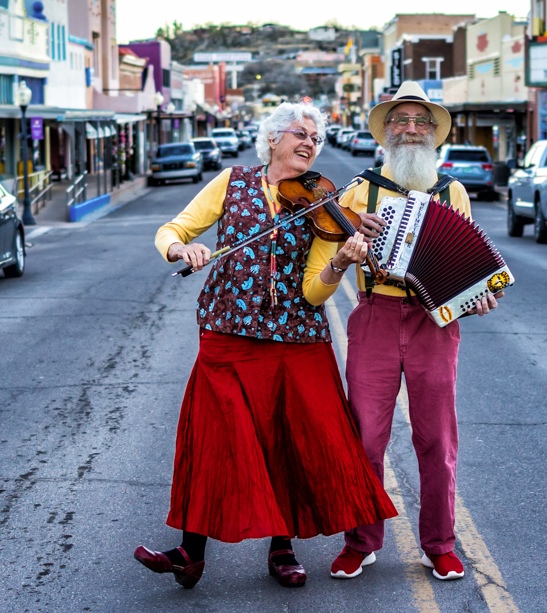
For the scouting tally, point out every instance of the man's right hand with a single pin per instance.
(371, 225)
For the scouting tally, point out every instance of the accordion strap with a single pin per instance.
(376, 180)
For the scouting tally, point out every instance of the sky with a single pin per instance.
(140, 20)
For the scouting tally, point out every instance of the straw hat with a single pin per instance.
(409, 91)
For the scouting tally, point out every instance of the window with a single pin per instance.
(95, 37)
(433, 68)
(52, 42)
(6, 89)
(166, 78)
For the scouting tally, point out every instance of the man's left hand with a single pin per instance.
(486, 304)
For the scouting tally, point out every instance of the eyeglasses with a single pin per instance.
(303, 135)
(404, 120)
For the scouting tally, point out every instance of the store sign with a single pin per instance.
(37, 128)
(396, 67)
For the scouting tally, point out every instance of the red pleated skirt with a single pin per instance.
(266, 445)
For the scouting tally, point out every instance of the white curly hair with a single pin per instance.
(283, 116)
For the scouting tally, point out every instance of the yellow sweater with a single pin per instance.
(207, 208)
(357, 200)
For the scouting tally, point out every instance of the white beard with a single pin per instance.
(413, 166)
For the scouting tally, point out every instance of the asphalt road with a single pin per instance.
(97, 342)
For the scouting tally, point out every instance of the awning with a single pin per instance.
(129, 118)
(90, 131)
(103, 131)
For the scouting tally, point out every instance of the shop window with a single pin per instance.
(6, 89)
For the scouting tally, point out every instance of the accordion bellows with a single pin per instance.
(443, 256)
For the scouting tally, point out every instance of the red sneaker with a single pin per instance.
(445, 566)
(350, 562)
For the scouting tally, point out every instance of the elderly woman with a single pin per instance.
(265, 443)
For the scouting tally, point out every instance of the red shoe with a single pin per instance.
(350, 563)
(288, 575)
(446, 566)
(187, 575)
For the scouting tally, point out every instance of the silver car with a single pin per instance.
(12, 236)
(363, 142)
(471, 166)
(527, 194)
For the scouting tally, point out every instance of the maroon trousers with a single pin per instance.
(387, 337)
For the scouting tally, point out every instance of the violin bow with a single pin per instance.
(216, 255)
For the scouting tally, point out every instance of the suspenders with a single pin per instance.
(374, 176)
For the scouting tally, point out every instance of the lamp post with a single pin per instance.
(170, 109)
(158, 101)
(24, 94)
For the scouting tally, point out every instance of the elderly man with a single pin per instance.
(390, 334)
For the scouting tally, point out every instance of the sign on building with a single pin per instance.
(397, 67)
(36, 128)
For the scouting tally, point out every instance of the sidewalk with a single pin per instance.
(55, 210)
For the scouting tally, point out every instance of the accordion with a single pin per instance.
(443, 256)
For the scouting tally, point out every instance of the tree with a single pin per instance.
(274, 77)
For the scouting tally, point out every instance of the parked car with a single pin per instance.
(331, 133)
(527, 194)
(378, 156)
(252, 129)
(342, 135)
(210, 152)
(472, 166)
(245, 140)
(227, 140)
(363, 142)
(12, 236)
(176, 161)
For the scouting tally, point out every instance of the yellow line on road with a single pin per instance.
(485, 571)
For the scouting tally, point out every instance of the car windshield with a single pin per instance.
(467, 155)
(223, 133)
(204, 144)
(164, 152)
(363, 135)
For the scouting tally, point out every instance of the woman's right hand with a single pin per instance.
(194, 254)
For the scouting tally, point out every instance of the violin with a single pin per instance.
(330, 221)
(308, 193)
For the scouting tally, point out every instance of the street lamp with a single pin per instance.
(23, 96)
(158, 101)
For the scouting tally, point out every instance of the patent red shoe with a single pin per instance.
(187, 575)
(288, 575)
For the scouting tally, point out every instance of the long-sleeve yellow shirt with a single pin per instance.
(357, 200)
(207, 208)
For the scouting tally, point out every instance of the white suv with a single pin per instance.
(227, 140)
(527, 194)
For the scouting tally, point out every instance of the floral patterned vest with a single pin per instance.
(236, 297)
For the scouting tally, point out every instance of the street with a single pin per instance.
(98, 340)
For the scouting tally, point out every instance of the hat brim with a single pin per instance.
(378, 114)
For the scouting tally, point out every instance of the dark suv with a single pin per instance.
(527, 194)
(472, 166)
(210, 152)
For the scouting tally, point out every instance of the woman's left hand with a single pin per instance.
(354, 250)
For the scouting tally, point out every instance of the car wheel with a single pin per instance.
(490, 196)
(218, 165)
(197, 178)
(236, 154)
(354, 153)
(515, 223)
(17, 269)
(540, 231)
